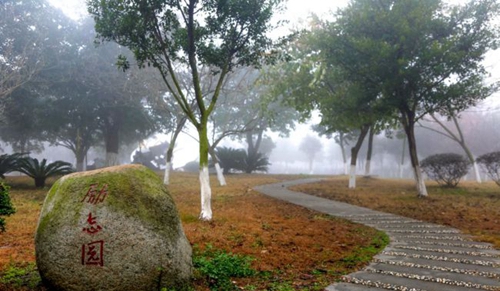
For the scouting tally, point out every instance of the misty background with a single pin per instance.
(293, 147)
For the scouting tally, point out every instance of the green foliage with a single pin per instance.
(6, 207)
(363, 255)
(491, 163)
(8, 163)
(19, 277)
(40, 171)
(231, 159)
(256, 162)
(238, 160)
(446, 169)
(218, 267)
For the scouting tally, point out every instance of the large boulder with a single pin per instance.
(112, 229)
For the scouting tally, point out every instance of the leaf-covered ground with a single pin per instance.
(292, 248)
(471, 207)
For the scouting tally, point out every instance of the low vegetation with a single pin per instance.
(253, 243)
(257, 243)
(446, 169)
(491, 164)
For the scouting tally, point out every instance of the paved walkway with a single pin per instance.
(420, 257)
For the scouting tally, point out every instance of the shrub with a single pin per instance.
(257, 162)
(491, 164)
(231, 159)
(218, 267)
(40, 171)
(6, 207)
(446, 169)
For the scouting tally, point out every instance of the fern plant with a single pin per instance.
(8, 163)
(40, 171)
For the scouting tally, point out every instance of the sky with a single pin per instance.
(297, 10)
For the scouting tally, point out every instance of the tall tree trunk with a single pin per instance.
(80, 161)
(111, 139)
(354, 155)
(170, 151)
(402, 163)
(206, 191)
(408, 120)
(343, 151)
(369, 152)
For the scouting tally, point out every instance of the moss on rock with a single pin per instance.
(141, 234)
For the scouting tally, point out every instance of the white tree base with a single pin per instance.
(220, 175)
(419, 179)
(206, 195)
(352, 177)
(166, 177)
(476, 172)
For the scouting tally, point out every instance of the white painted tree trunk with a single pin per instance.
(166, 177)
(476, 172)
(206, 195)
(352, 177)
(368, 167)
(346, 168)
(220, 175)
(111, 159)
(419, 179)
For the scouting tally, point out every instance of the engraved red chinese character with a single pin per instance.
(92, 253)
(94, 196)
(93, 227)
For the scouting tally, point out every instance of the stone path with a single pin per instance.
(420, 257)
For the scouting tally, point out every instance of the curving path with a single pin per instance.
(420, 257)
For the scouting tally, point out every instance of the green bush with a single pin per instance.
(490, 162)
(446, 169)
(6, 207)
(218, 267)
(40, 171)
(8, 163)
(231, 159)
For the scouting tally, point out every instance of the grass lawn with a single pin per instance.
(471, 207)
(291, 248)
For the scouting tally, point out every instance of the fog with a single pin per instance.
(300, 151)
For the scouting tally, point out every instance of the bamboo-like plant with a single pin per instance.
(40, 171)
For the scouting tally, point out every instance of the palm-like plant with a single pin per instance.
(8, 163)
(40, 171)
(256, 162)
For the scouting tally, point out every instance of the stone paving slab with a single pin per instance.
(420, 257)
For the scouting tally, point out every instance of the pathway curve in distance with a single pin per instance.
(420, 257)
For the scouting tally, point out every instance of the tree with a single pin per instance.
(311, 146)
(219, 34)
(422, 56)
